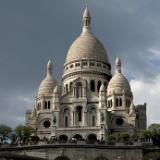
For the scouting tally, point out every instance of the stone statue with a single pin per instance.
(102, 116)
(54, 119)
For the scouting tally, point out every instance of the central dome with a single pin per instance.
(87, 46)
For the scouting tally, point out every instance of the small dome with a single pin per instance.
(58, 89)
(48, 84)
(102, 88)
(118, 84)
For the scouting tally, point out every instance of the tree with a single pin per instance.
(4, 132)
(133, 137)
(13, 137)
(111, 138)
(24, 132)
(155, 133)
(146, 134)
(123, 136)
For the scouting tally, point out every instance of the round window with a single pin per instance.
(119, 121)
(46, 123)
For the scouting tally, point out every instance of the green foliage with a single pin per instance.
(154, 128)
(13, 137)
(34, 138)
(155, 133)
(123, 136)
(24, 132)
(146, 134)
(133, 136)
(111, 138)
(4, 132)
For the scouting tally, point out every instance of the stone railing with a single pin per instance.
(80, 142)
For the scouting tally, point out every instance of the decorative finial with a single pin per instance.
(49, 67)
(86, 20)
(118, 65)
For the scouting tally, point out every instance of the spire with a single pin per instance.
(118, 65)
(49, 68)
(86, 20)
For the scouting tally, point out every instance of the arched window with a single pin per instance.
(66, 88)
(111, 102)
(79, 111)
(93, 116)
(126, 102)
(79, 90)
(49, 104)
(120, 102)
(99, 85)
(45, 105)
(117, 102)
(93, 120)
(66, 121)
(66, 117)
(92, 85)
(129, 102)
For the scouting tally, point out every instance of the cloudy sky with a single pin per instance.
(31, 31)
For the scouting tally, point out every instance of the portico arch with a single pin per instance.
(63, 137)
(62, 158)
(77, 136)
(92, 137)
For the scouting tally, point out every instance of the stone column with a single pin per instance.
(114, 101)
(84, 118)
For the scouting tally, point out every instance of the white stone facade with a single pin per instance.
(93, 103)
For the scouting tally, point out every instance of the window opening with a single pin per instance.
(92, 85)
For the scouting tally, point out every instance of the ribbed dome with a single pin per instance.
(48, 84)
(118, 84)
(87, 46)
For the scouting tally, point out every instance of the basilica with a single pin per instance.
(91, 103)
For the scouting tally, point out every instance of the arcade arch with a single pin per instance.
(92, 137)
(63, 137)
